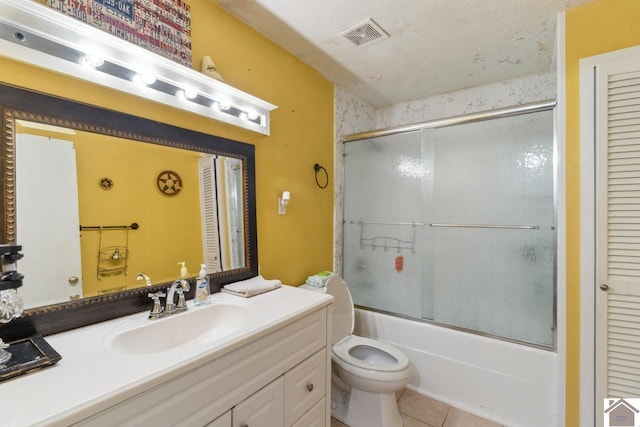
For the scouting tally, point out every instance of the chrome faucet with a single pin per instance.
(145, 277)
(178, 287)
(157, 311)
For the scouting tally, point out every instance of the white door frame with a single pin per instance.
(587, 242)
(588, 228)
(561, 216)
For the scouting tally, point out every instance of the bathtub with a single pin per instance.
(510, 384)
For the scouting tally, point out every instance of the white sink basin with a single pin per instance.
(198, 325)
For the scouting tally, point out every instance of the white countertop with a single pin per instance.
(90, 377)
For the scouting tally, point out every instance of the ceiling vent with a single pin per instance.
(364, 33)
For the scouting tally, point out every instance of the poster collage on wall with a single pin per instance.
(161, 26)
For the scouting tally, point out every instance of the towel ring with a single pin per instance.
(317, 168)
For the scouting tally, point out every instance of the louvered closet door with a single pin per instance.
(618, 231)
(209, 211)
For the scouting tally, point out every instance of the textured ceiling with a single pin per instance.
(434, 46)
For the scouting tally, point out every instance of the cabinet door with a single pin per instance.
(265, 408)
(304, 386)
(315, 417)
(222, 421)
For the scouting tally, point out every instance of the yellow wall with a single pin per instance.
(596, 28)
(170, 226)
(290, 247)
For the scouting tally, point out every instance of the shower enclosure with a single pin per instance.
(453, 222)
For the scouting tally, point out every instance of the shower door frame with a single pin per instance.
(533, 107)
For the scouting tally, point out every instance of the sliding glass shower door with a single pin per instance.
(456, 225)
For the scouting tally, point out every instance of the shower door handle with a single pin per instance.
(604, 287)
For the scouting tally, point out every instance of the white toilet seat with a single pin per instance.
(343, 351)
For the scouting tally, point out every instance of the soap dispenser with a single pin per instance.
(183, 276)
(184, 287)
(183, 270)
(202, 287)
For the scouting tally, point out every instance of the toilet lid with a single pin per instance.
(343, 318)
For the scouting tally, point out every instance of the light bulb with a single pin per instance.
(91, 61)
(187, 93)
(144, 79)
(190, 92)
(221, 105)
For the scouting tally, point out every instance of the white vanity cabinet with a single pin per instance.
(264, 408)
(278, 378)
(296, 399)
(221, 421)
(304, 386)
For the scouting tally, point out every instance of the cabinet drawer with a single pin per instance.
(304, 386)
(315, 417)
(263, 408)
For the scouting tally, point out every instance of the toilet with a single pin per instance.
(366, 373)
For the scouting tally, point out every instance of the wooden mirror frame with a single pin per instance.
(22, 104)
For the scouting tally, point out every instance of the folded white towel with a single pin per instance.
(319, 280)
(250, 287)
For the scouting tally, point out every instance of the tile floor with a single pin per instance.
(421, 411)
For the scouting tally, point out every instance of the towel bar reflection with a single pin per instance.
(133, 226)
(514, 227)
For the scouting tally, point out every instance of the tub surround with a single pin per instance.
(523, 90)
(431, 364)
(353, 115)
(509, 383)
(91, 378)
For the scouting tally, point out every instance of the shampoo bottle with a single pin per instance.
(202, 287)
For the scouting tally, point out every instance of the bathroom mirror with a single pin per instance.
(115, 207)
(140, 213)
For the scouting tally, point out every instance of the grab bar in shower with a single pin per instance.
(419, 224)
(515, 227)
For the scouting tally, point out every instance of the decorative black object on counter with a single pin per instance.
(23, 355)
(10, 278)
(27, 355)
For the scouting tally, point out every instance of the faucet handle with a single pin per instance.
(182, 303)
(180, 290)
(184, 284)
(156, 311)
(145, 277)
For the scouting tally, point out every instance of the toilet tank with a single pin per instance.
(342, 321)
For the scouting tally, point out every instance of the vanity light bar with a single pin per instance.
(38, 35)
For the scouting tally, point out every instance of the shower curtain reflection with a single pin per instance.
(476, 202)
